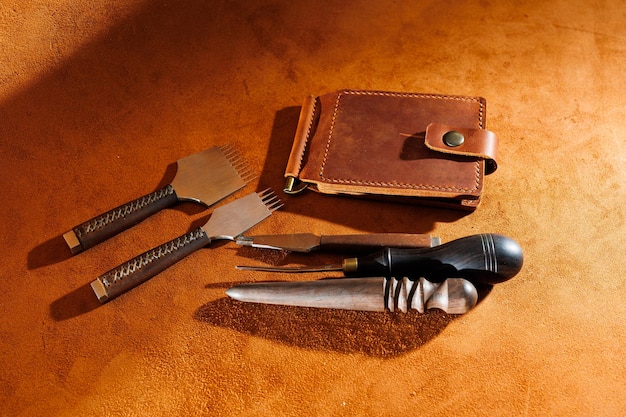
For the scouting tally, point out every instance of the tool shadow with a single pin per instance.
(376, 334)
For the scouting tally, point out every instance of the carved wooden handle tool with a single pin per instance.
(453, 295)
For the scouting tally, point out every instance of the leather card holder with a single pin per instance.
(411, 147)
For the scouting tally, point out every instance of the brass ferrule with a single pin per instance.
(293, 185)
(350, 266)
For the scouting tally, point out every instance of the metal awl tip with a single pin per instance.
(291, 269)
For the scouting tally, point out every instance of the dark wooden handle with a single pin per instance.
(114, 221)
(485, 258)
(143, 267)
(373, 241)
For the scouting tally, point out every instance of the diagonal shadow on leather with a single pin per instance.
(369, 333)
(75, 303)
(378, 334)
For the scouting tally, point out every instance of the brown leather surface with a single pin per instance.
(97, 100)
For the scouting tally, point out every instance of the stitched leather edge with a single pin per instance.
(400, 185)
(302, 137)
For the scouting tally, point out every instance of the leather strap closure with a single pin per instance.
(479, 143)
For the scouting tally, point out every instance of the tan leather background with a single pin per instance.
(98, 99)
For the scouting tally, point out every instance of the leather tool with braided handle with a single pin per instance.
(205, 177)
(226, 223)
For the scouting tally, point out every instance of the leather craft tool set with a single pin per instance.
(424, 148)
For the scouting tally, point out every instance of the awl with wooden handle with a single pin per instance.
(453, 295)
(366, 242)
(485, 258)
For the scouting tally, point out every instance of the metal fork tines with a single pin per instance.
(231, 220)
(238, 162)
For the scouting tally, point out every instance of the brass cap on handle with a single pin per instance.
(350, 265)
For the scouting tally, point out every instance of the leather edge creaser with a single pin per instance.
(72, 242)
(100, 291)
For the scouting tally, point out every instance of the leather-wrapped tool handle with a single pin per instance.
(143, 267)
(107, 225)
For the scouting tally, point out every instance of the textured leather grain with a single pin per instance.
(97, 98)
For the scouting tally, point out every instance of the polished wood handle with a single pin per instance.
(371, 241)
(452, 295)
(485, 258)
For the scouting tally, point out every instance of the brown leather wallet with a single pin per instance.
(421, 148)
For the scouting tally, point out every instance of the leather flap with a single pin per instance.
(479, 143)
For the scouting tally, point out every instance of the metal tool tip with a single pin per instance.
(244, 240)
(234, 293)
(244, 268)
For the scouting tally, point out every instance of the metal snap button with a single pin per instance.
(453, 138)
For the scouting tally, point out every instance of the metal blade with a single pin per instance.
(299, 242)
(211, 175)
(366, 242)
(232, 219)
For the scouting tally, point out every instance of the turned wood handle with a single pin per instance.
(143, 267)
(485, 258)
(453, 295)
(107, 225)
